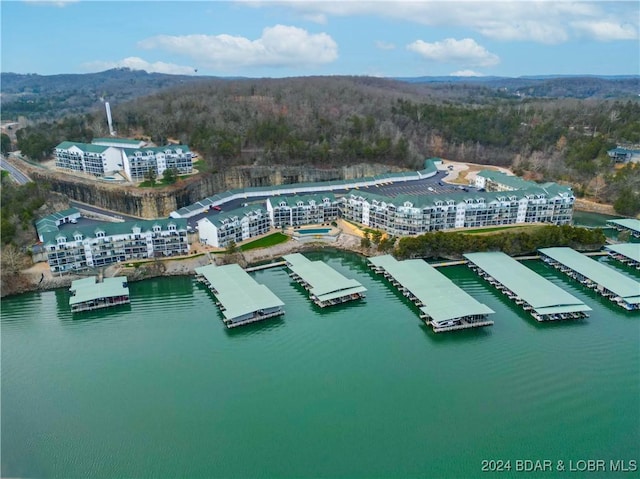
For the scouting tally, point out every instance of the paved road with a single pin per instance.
(101, 211)
(15, 173)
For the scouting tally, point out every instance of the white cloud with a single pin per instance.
(543, 21)
(51, 3)
(450, 50)
(380, 45)
(607, 30)
(136, 63)
(466, 73)
(279, 46)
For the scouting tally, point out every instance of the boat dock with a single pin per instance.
(325, 285)
(443, 305)
(608, 282)
(626, 224)
(240, 298)
(265, 266)
(627, 253)
(541, 298)
(88, 294)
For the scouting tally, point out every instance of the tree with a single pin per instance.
(232, 248)
(5, 143)
(170, 175)
(151, 176)
(13, 260)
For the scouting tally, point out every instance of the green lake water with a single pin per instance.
(161, 388)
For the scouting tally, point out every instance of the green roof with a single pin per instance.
(110, 228)
(629, 223)
(630, 250)
(238, 292)
(442, 299)
(116, 140)
(86, 147)
(326, 283)
(609, 278)
(507, 180)
(87, 289)
(541, 294)
(293, 200)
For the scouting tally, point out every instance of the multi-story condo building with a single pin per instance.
(236, 225)
(77, 246)
(411, 215)
(303, 210)
(107, 155)
(492, 180)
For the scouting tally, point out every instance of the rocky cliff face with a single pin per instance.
(159, 202)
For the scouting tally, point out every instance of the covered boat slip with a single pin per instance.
(627, 224)
(88, 294)
(326, 286)
(627, 253)
(540, 297)
(240, 298)
(610, 283)
(443, 305)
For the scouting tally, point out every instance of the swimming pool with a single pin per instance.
(314, 231)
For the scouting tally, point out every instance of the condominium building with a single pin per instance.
(410, 215)
(107, 155)
(492, 180)
(77, 246)
(303, 210)
(236, 225)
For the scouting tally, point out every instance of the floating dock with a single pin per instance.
(240, 298)
(541, 298)
(326, 286)
(610, 283)
(627, 253)
(88, 294)
(627, 224)
(443, 305)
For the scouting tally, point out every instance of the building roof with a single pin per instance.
(541, 294)
(514, 182)
(609, 278)
(117, 140)
(630, 250)
(88, 289)
(156, 149)
(629, 223)
(442, 299)
(293, 200)
(237, 291)
(50, 235)
(326, 283)
(86, 147)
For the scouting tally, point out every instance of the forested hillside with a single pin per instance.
(335, 121)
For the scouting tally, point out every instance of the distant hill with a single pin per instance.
(46, 97)
(53, 96)
(567, 86)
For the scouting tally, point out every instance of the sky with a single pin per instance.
(269, 38)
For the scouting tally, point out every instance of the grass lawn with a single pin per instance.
(271, 240)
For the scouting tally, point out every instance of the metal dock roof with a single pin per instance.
(441, 297)
(326, 283)
(237, 291)
(87, 289)
(541, 294)
(603, 275)
(628, 223)
(630, 250)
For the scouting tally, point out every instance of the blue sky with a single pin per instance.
(309, 37)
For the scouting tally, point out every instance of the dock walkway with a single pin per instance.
(541, 298)
(443, 305)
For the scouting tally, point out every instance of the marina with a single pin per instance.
(542, 299)
(443, 305)
(88, 294)
(326, 286)
(631, 225)
(240, 298)
(626, 253)
(608, 282)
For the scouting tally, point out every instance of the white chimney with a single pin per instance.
(111, 130)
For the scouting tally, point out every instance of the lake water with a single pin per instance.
(161, 388)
